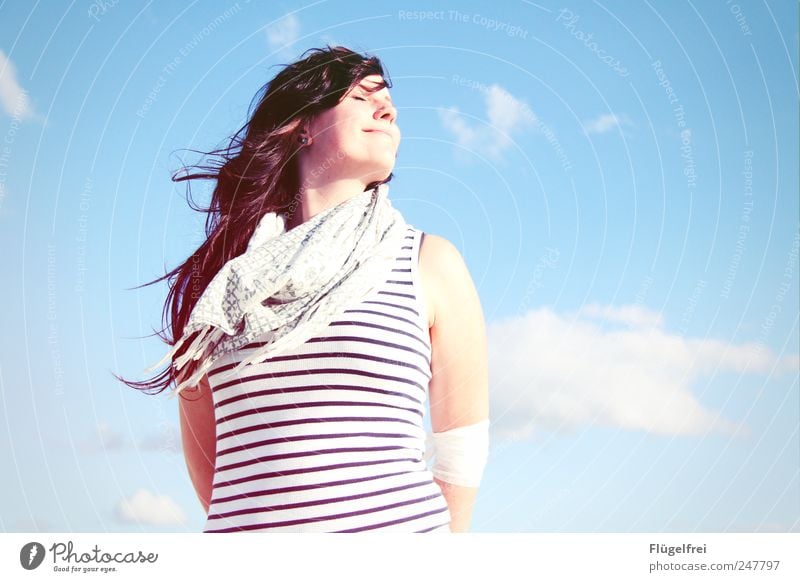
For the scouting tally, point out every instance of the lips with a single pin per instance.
(378, 131)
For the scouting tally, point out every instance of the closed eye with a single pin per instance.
(359, 98)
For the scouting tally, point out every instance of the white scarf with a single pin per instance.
(288, 285)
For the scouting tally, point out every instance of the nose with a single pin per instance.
(386, 112)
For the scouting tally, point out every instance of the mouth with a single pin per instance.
(386, 133)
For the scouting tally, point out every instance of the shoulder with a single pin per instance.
(443, 272)
(436, 242)
(438, 252)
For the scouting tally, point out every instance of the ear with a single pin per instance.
(305, 127)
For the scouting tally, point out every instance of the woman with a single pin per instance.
(314, 322)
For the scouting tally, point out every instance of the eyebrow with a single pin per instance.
(373, 89)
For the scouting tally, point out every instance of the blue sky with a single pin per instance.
(622, 181)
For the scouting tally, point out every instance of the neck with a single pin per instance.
(317, 198)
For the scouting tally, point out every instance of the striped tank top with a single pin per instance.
(329, 436)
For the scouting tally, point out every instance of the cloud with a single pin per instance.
(32, 524)
(632, 315)
(452, 120)
(167, 440)
(506, 116)
(565, 372)
(109, 438)
(105, 438)
(283, 33)
(13, 98)
(605, 123)
(764, 527)
(146, 508)
(505, 111)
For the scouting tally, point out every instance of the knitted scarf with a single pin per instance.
(288, 285)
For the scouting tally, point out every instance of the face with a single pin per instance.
(358, 137)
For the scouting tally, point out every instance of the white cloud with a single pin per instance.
(32, 523)
(13, 98)
(507, 115)
(166, 440)
(465, 135)
(284, 32)
(105, 438)
(632, 315)
(561, 372)
(146, 508)
(109, 438)
(763, 527)
(605, 123)
(505, 111)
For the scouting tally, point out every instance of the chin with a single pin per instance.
(379, 176)
(379, 172)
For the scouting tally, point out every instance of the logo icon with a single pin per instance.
(31, 555)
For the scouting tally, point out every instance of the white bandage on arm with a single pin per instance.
(460, 453)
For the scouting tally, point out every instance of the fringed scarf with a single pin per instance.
(289, 285)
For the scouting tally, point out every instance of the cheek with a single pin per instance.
(349, 138)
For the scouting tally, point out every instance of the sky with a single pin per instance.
(620, 178)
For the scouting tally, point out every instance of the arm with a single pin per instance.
(459, 387)
(198, 434)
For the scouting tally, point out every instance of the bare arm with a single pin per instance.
(198, 434)
(459, 388)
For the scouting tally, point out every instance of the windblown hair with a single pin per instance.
(255, 174)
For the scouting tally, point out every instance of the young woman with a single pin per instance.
(312, 325)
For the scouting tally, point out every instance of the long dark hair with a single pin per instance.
(255, 174)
